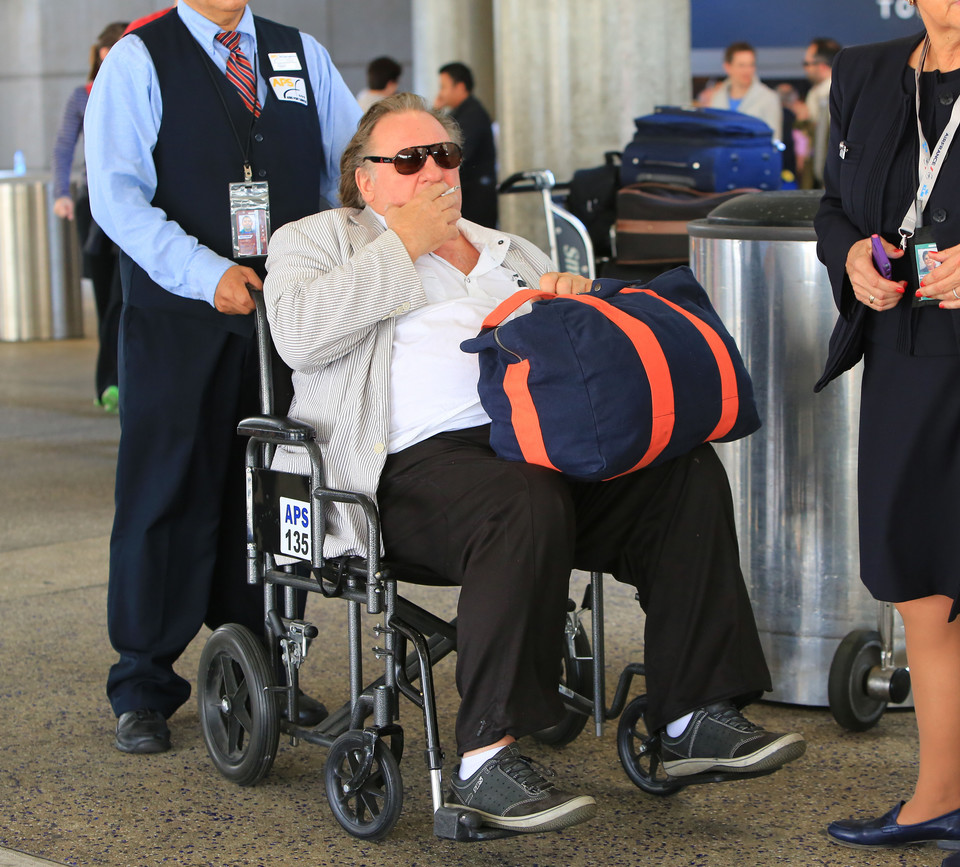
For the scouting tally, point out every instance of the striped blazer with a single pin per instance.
(335, 283)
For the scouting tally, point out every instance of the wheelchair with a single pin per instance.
(244, 707)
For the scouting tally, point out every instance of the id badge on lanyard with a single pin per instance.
(250, 218)
(915, 238)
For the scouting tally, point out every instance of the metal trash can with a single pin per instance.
(39, 263)
(794, 481)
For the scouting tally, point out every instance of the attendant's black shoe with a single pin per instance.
(719, 738)
(951, 860)
(310, 712)
(142, 731)
(508, 791)
(884, 832)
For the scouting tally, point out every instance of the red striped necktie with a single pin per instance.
(239, 70)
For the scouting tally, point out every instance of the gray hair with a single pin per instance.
(357, 149)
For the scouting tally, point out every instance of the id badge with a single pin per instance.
(250, 218)
(920, 247)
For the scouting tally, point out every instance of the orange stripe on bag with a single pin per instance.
(523, 414)
(729, 396)
(662, 408)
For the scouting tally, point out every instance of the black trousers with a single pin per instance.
(102, 267)
(177, 552)
(108, 294)
(510, 534)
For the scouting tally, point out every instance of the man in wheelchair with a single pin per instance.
(368, 304)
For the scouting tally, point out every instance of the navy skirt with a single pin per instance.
(909, 474)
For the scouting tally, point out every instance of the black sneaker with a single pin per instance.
(142, 731)
(509, 791)
(719, 738)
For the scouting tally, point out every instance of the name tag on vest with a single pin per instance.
(284, 61)
(289, 89)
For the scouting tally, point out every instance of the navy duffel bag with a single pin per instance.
(614, 380)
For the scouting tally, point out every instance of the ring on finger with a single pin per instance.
(955, 295)
(871, 299)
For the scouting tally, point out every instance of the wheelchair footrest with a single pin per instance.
(463, 826)
(719, 777)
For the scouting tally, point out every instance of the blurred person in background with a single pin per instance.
(99, 252)
(478, 171)
(800, 138)
(146, 19)
(383, 74)
(742, 91)
(817, 63)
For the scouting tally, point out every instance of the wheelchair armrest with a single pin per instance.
(275, 429)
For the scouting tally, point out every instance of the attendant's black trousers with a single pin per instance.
(510, 533)
(177, 552)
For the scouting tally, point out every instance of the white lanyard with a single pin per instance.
(930, 164)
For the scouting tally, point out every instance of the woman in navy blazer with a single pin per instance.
(909, 474)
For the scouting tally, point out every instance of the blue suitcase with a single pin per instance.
(709, 149)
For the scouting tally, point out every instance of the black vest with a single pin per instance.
(197, 155)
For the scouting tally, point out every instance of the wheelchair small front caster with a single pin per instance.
(640, 751)
(364, 786)
(239, 716)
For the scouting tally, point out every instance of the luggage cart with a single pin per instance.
(570, 246)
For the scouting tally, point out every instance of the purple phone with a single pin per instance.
(880, 258)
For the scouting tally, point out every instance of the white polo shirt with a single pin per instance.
(433, 383)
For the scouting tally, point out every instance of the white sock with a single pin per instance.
(469, 765)
(678, 726)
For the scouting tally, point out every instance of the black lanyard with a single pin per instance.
(213, 72)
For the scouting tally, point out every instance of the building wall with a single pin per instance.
(45, 53)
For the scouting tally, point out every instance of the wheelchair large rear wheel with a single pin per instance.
(639, 751)
(364, 786)
(239, 714)
(577, 675)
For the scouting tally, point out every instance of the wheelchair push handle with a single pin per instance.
(536, 180)
(263, 349)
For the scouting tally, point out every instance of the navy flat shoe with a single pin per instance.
(884, 832)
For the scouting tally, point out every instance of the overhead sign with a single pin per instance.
(787, 23)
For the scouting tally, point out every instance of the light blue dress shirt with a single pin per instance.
(120, 132)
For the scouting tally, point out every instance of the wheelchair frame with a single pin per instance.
(243, 709)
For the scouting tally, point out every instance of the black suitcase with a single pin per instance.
(652, 221)
(709, 149)
(592, 199)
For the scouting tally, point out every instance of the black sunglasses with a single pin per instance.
(409, 161)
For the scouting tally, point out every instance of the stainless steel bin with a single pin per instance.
(39, 263)
(795, 480)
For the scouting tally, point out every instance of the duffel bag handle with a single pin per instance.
(512, 304)
(600, 289)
